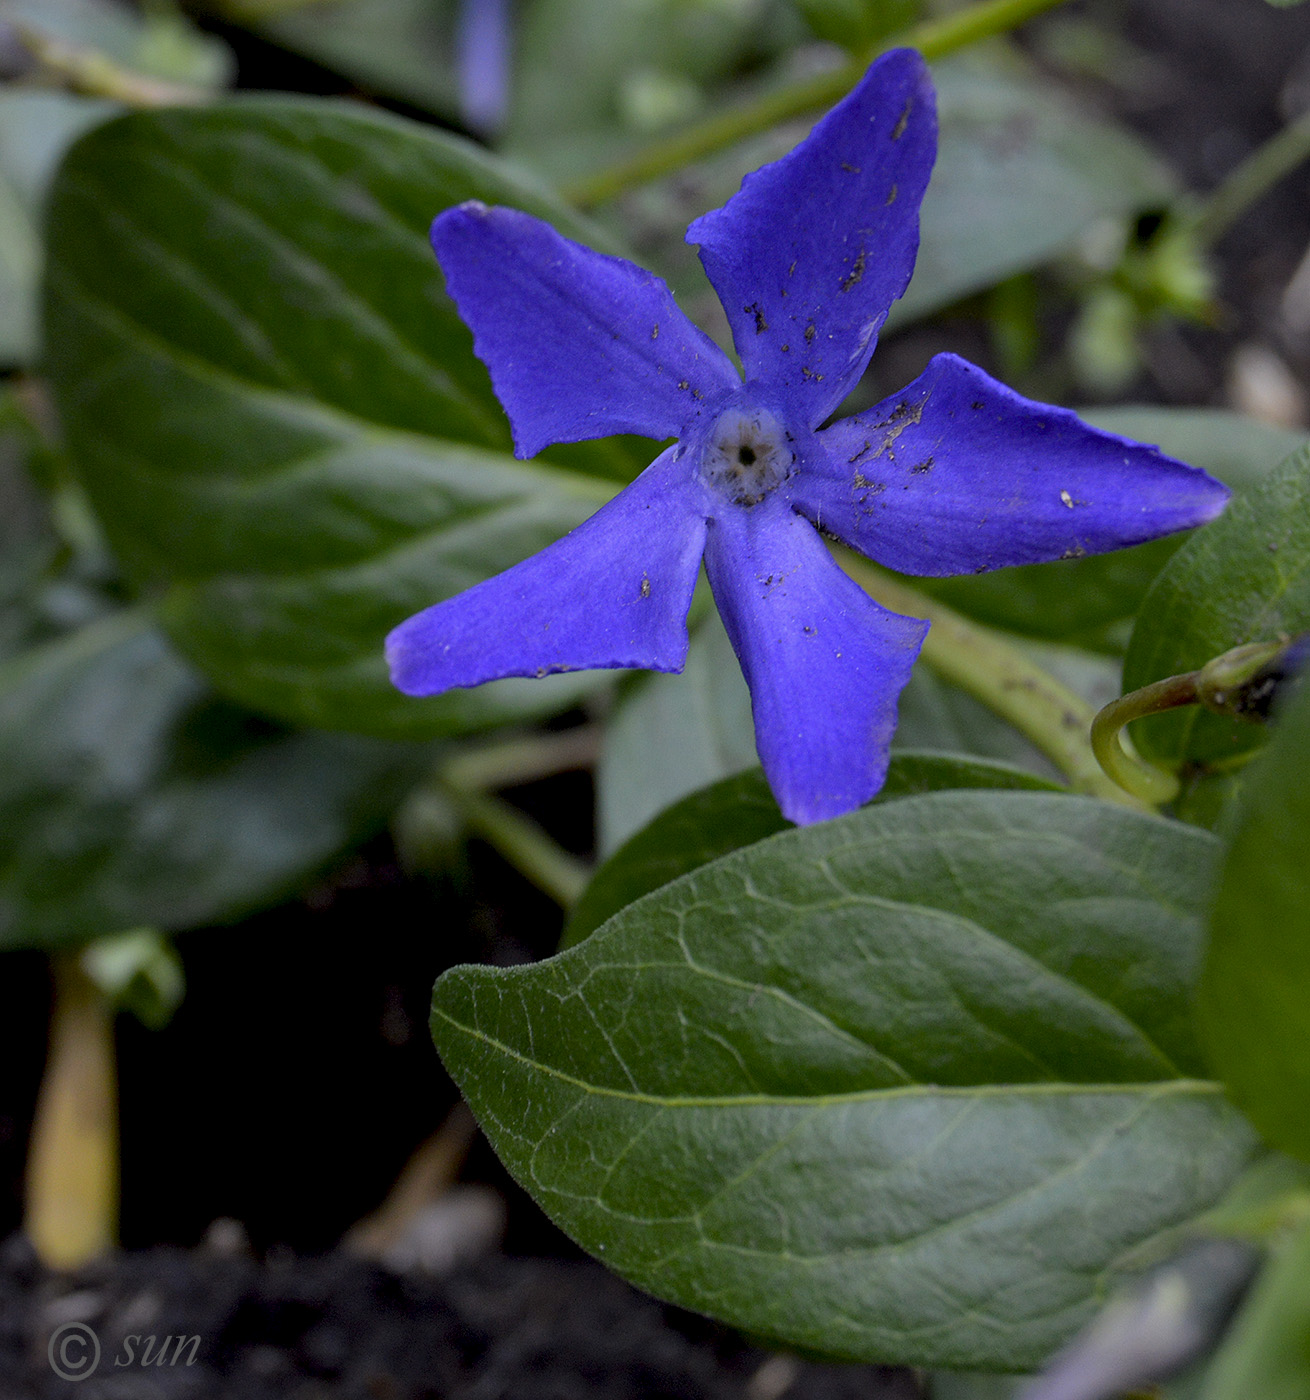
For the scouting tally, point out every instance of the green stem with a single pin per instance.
(1109, 737)
(93, 74)
(1254, 177)
(524, 759)
(523, 843)
(71, 1213)
(992, 669)
(934, 39)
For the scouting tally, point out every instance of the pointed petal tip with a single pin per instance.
(405, 656)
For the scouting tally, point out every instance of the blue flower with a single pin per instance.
(955, 474)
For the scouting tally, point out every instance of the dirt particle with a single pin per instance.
(655, 331)
(899, 129)
(810, 333)
(920, 468)
(761, 325)
(891, 194)
(856, 274)
(683, 384)
(1067, 499)
(645, 586)
(850, 169)
(808, 373)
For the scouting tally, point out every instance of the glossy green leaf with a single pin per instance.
(1255, 993)
(35, 130)
(911, 1085)
(739, 811)
(1267, 1354)
(1244, 578)
(276, 410)
(130, 795)
(1095, 599)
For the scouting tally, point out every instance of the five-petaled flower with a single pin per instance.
(955, 474)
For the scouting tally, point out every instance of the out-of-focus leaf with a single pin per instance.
(1244, 578)
(400, 48)
(673, 734)
(161, 45)
(1267, 1355)
(130, 795)
(613, 52)
(912, 1085)
(27, 541)
(1020, 175)
(858, 24)
(739, 811)
(277, 412)
(1255, 993)
(1094, 599)
(35, 130)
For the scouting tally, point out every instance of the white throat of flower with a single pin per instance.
(747, 455)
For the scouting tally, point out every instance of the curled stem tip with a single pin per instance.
(1113, 749)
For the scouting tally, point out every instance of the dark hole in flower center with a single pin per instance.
(747, 455)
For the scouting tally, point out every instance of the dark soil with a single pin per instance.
(331, 1328)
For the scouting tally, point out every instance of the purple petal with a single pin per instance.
(613, 592)
(957, 474)
(579, 345)
(825, 664)
(810, 254)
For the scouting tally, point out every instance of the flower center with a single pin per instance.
(747, 455)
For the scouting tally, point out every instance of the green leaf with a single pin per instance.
(130, 795)
(277, 412)
(673, 734)
(634, 67)
(1093, 600)
(911, 1085)
(35, 130)
(857, 24)
(1267, 1354)
(400, 48)
(161, 44)
(1255, 992)
(1021, 174)
(27, 541)
(739, 811)
(1244, 578)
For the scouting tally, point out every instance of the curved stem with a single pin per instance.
(72, 1166)
(1254, 177)
(934, 38)
(992, 669)
(1110, 739)
(523, 843)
